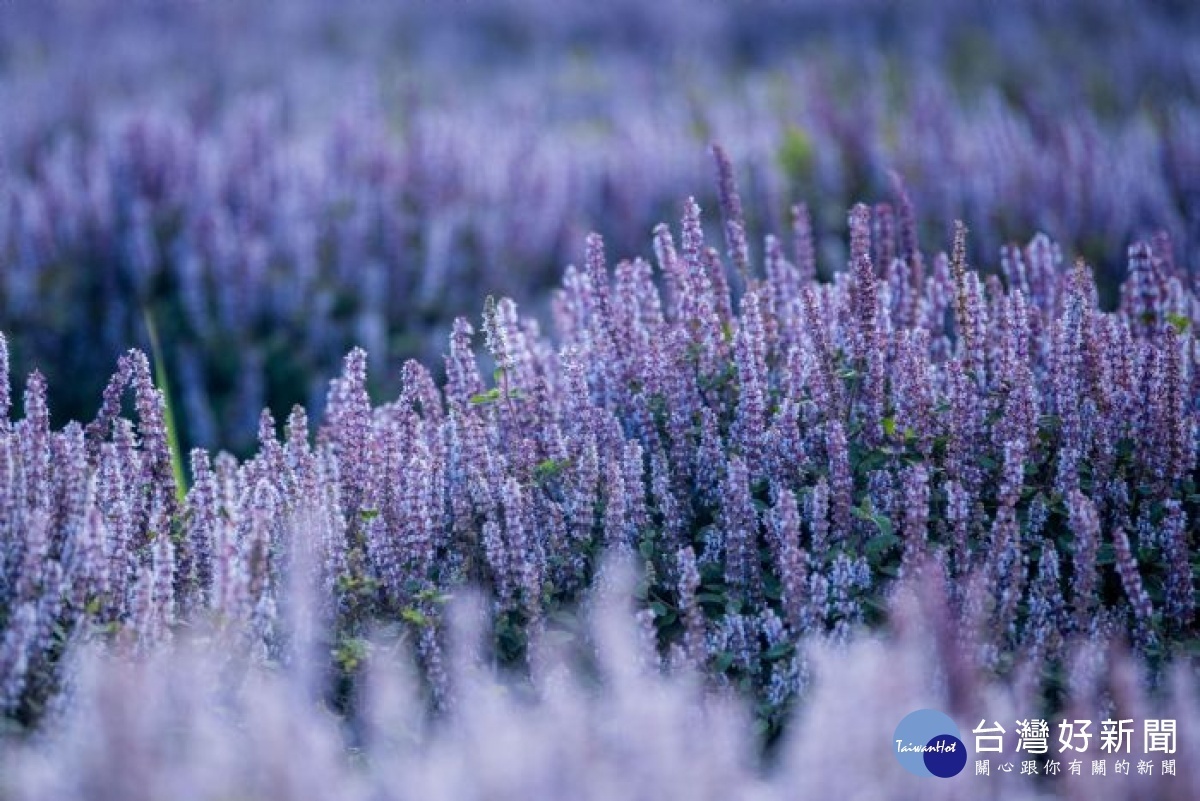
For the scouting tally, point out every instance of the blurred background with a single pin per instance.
(270, 184)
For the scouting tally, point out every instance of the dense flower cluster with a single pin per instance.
(771, 469)
(273, 206)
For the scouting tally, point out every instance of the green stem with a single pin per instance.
(160, 379)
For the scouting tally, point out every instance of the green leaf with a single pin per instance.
(549, 469)
(433, 596)
(880, 544)
(889, 426)
(723, 662)
(797, 154)
(778, 651)
(872, 460)
(881, 521)
(414, 616)
(350, 653)
(491, 396)
(1179, 322)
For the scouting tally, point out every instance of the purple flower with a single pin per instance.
(731, 210)
(791, 560)
(739, 529)
(5, 383)
(1085, 525)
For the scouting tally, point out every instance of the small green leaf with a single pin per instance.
(433, 596)
(549, 469)
(880, 544)
(797, 154)
(491, 396)
(889, 426)
(1179, 322)
(350, 653)
(872, 460)
(646, 548)
(778, 651)
(414, 616)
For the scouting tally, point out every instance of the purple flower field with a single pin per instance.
(529, 400)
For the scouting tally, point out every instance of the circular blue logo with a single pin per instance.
(946, 756)
(927, 743)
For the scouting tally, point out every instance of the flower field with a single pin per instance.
(415, 403)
